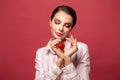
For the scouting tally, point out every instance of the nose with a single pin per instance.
(61, 27)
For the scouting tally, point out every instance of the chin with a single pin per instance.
(62, 38)
(59, 38)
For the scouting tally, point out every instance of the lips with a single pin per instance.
(59, 34)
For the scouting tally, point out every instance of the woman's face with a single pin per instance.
(61, 25)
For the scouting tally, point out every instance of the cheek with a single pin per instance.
(51, 25)
(53, 28)
(67, 31)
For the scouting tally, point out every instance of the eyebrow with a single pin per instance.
(57, 19)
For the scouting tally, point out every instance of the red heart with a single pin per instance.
(61, 46)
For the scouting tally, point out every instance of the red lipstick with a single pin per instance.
(59, 34)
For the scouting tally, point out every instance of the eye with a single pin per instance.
(67, 25)
(57, 21)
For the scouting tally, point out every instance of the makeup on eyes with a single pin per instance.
(56, 21)
(67, 25)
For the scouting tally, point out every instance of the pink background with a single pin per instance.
(24, 27)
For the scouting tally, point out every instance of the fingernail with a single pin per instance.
(59, 39)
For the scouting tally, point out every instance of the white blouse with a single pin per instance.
(46, 68)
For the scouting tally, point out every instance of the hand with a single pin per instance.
(70, 50)
(73, 47)
(54, 46)
(58, 51)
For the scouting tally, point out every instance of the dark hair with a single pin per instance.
(67, 10)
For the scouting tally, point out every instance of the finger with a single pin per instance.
(69, 39)
(55, 42)
(75, 41)
(72, 40)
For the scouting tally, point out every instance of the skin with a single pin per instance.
(61, 25)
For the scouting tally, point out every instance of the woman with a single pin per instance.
(64, 58)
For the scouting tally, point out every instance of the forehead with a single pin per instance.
(62, 16)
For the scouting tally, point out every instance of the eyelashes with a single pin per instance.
(67, 25)
(57, 22)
